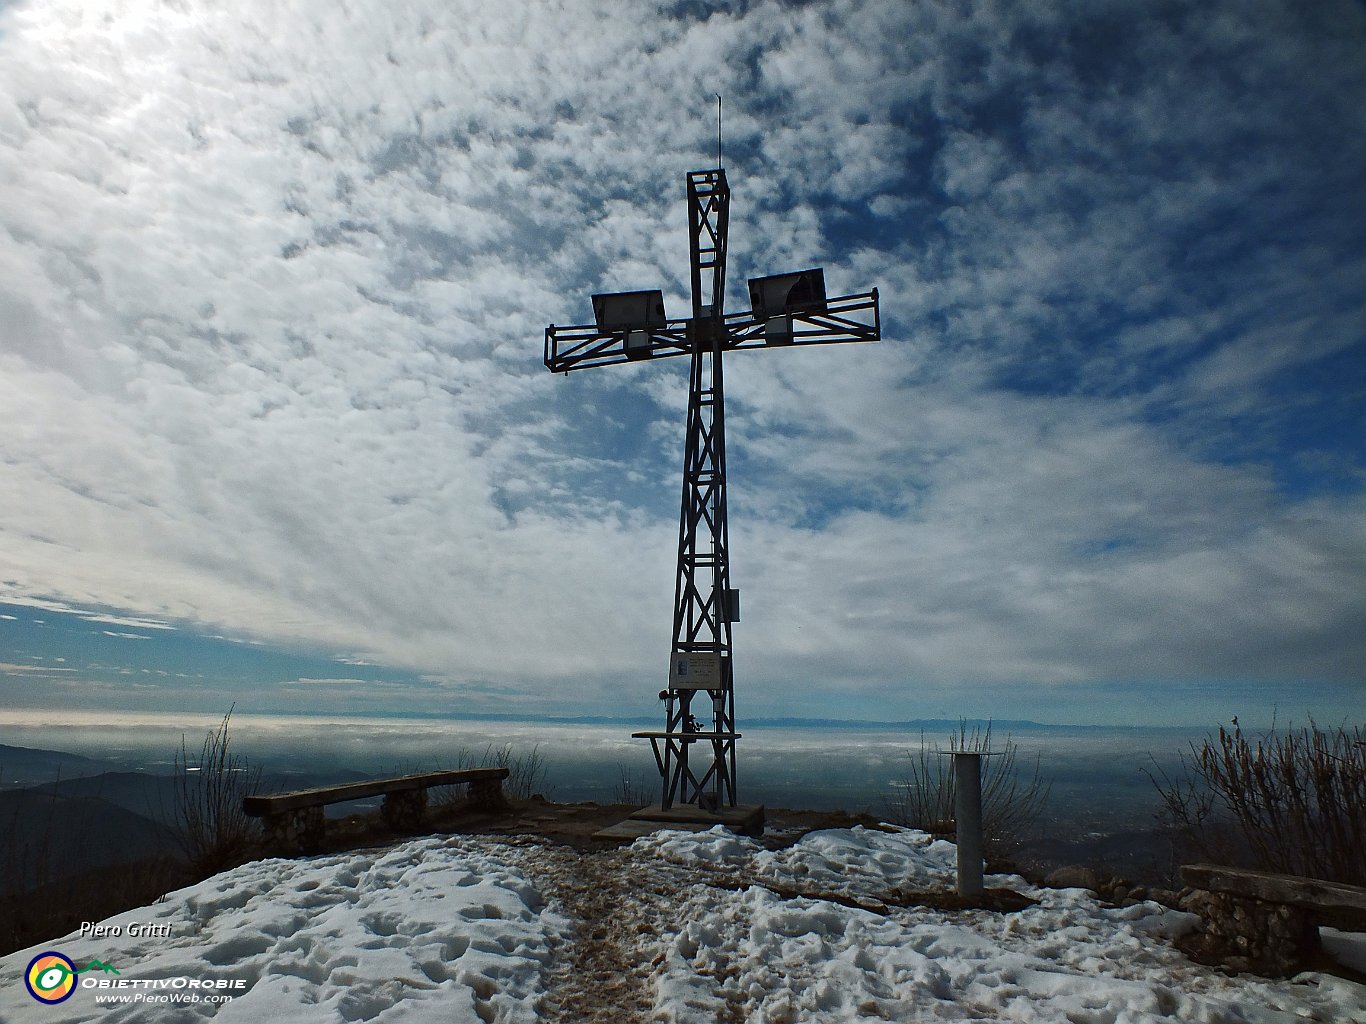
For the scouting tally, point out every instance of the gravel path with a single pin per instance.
(620, 905)
(618, 908)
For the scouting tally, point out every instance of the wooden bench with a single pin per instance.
(296, 820)
(1264, 922)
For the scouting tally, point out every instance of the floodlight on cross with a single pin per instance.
(787, 310)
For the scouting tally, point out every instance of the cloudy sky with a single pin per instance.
(274, 425)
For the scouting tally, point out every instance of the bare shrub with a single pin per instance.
(25, 864)
(1292, 801)
(26, 858)
(207, 820)
(526, 773)
(631, 790)
(44, 891)
(1012, 801)
(1195, 826)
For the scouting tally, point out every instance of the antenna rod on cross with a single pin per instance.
(787, 311)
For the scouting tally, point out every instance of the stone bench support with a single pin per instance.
(1263, 922)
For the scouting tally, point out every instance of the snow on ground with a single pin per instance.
(430, 930)
(468, 929)
(755, 956)
(847, 861)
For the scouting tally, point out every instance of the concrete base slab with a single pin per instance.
(630, 829)
(747, 819)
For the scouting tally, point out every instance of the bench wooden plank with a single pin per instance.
(1306, 893)
(281, 803)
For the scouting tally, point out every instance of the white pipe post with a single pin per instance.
(967, 780)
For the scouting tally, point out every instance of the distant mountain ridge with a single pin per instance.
(49, 836)
(143, 793)
(785, 722)
(29, 766)
(64, 814)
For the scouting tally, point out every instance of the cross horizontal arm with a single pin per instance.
(582, 347)
(834, 324)
(577, 348)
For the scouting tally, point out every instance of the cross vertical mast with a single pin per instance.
(704, 604)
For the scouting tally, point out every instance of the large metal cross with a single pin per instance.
(787, 310)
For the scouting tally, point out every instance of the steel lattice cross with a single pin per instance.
(787, 310)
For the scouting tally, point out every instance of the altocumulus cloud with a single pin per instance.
(273, 278)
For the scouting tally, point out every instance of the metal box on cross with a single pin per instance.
(700, 670)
